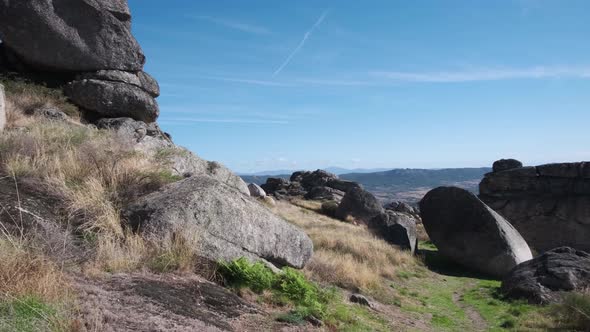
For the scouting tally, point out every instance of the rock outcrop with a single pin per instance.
(231, 225)
(467, 231)
(397, 228)
(71, 36)
(545, 278)
(316, 185)
(359, 204)
(150, 139)
(87, 40)
(548, 204)
(2, 108)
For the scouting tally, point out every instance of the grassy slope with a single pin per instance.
(426, 293)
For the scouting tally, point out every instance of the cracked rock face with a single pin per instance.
(545, 278)
(71, 35)
(548, 204)
(231, 225)
(467, 231)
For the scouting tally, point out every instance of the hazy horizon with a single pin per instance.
(263, 85)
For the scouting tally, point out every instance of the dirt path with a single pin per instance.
(478, 323)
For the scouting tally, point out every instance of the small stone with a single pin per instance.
(360, 299)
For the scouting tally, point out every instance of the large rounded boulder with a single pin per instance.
(360, 205)
(230, 224)
(467, 231)
(545, 278)
(71, 35)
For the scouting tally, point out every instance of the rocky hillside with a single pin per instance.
(408, 185)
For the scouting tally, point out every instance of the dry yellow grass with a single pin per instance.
(22, 98)
(344, 254)
(26, 272)
(94, 176)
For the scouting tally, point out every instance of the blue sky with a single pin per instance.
(262, 85)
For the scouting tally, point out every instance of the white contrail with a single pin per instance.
(305, 37)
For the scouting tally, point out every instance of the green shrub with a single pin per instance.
(240, 273)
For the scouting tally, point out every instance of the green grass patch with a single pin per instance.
(29, 314)
(306, 298)
(499, 313)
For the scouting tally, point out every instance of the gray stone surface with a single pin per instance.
(2, 108)
(255, 190)
(71, 35)
(397, 228)
(359, 204)
(548, 204)
(231, 225)
(113, 99)
(546, 277)
(467, 231)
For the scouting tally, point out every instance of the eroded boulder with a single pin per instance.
(113, 99)
(546, 277)
(397, 228)
(230, 224)
(71, 35)
(256, 191)
(506, 164)
(359, 204)
(324, 193)
(467, 231)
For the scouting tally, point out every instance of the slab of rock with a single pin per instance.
(230, 224)
(112, 99)
(71, 35)
(50, 113)
(545, 278)
(506, 164)
(359, 204)
(467, 231)
(256, 191)
(343, 185)
(397, 228)
(140, 79)
(548, 204)
(2, 108)
(324, 193)
(317, 178)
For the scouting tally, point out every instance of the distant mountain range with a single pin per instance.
(407, 184)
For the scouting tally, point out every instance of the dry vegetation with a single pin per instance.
(344, 254)
(94, 175)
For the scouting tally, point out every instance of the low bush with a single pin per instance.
(289, 286)
(573, 313)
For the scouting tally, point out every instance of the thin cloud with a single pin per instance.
(245, 81)
(235, 25)
(301, 43)
(493, 74)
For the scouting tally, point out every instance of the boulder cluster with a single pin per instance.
(546, 207)
(316, 185)
(86, 43)
(348, 201)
